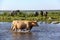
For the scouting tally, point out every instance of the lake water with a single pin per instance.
(45, 31)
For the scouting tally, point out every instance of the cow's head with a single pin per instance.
(34, 23)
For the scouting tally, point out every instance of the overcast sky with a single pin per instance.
(29, 4)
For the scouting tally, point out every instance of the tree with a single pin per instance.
(36, 13)
(15, 12)
(41, 13)
(46, 13)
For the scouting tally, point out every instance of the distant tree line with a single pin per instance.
(21, 14)
(18, 12)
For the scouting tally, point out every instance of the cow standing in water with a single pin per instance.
(44, 13)
(23, 25)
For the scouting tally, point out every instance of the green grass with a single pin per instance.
(38, 18)
(6, 18)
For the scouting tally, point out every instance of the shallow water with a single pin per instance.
(45, 31)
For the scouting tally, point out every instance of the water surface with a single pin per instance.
(45, 31)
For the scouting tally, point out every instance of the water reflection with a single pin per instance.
(23, 36)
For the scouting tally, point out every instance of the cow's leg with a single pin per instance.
(27, 27)
(30, 28)
(19, 30)
(16, 28)
(12, 27)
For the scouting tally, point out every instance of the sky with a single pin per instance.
(29, 4)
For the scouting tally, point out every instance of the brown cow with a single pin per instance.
(23, 24)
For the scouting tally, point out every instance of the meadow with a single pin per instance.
(6, 16)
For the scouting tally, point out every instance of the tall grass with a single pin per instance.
(6, 16)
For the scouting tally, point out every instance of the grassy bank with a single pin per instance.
(6, 17)
(38, 18)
